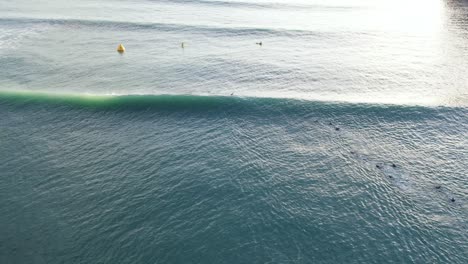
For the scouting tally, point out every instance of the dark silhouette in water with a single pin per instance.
(337, 128)
(378, 166)
(259, 43)
(232, 94)
(453, 200)
(393, 165)
(438, 187)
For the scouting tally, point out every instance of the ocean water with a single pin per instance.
(342, 139)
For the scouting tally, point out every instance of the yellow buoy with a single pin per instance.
(121, 48)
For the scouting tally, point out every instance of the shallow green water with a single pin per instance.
(181, 179)
(343, 138)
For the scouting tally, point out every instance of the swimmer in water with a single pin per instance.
(393, 165)
(438, 187)
(337, 128)
(378, 166)
(259, 43)
(453, 200)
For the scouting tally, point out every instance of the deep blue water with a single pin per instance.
(345, 139)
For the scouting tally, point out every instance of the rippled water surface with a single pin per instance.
(412, 52)
(342, 139)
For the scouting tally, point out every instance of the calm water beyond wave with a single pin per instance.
(342, 139)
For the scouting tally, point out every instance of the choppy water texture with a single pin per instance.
(345, 139)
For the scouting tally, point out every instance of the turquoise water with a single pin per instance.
(345, 139)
